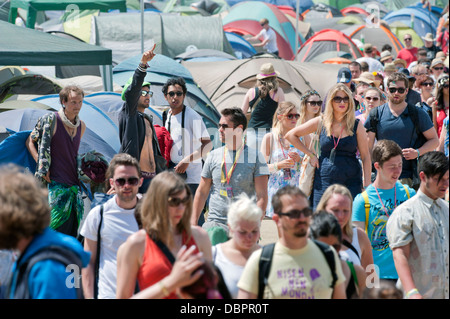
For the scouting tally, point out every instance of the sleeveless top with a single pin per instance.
(155, 265)
(230, 271)
(64, 152)
(349, 255)
(262, 114)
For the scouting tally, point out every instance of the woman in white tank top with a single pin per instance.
(244, 222)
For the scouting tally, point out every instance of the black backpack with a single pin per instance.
(57, 253)
(265, 263)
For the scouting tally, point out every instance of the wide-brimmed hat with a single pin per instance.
(368, 48)
(436, 62)
(125, 87)
(266, 71)
(441, 55)
(403, 62)
(390, 67)
(385, 55)
(429, 37)
(369, 78)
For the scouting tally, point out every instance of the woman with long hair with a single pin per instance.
(147, 256)
(356, 247)
(341, 136)
(441, 104)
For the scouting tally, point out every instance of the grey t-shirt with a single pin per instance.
(250, 164)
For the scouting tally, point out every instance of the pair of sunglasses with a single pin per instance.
(172, 94)
(132, 181)
(224, 126)
(145, 93)
(427, 84)
(369, 98)
(338, 99)
(176, 201)
(296, 213)
(314, 103)
(399, 90)
(292, 116)
(439, 68)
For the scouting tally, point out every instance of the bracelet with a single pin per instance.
(276, 166)
(163, 289)
(418, 154)
(412, 292)
(144, 66)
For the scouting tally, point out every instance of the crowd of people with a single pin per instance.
(184, 220)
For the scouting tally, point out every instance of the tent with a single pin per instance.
(23, 46)
(244, 18)
(230, 81)
(241, 47)
(28, 84)
(377, 37)
(303, 4)
(327, 40)
(17, 105)
(338, 4)
(421, 20)
(204, 55)
(33, 6)
(195, 7)
(321, 11)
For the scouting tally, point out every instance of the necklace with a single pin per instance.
(395, 199)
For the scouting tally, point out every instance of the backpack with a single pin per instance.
(367, 204)
(265, 262)
(57, 253)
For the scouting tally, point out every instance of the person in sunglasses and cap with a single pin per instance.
(395, 121)
(116, 221)
(136, 132)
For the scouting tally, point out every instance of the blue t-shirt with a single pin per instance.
(376, 228)
(400, 130)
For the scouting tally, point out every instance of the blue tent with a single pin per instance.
(161, 69)
(424, 21)
(242, 48)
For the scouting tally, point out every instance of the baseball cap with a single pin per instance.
(125, 87)
(344, 75)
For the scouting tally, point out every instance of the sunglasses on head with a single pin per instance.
(399, 90)
(314, 103)
(176, 201)
(172, 94)
(292, 116)
(369, 98)
(145, 93)
(338, 99)
(427, 84)
(296, 213)
(132, 181)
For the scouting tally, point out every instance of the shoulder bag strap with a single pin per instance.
(366, 208)
(165, 250)
(97, 259)
(265, 262)
(350, 246)
(329, 256)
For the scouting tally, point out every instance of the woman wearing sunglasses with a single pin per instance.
(426, 86)
(282, 159)
(441, 103)
(148, 255)
(341, 136)
(371, 98)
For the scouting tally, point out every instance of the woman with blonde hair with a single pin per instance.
(356, 247)
(341, 136)
(283, 160)
(148, 255)
(244, 223)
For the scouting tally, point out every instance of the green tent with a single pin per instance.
(338, 4)
(33, 6)
(400, 29)
(23, 46)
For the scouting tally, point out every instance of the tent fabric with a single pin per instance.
(400, 29)
(33, 6)
(241, 47)
(28, 84)
(13, 150)
(122, 34)
(327, 40)
(230, 81)
(303, 5)
(196, 55)
(424, 21)
(338, 4)
(377, 37)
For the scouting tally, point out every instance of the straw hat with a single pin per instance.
(401, 61)
(368, 48)
(267, 71)
(436, 62)
(390, 67)
(369, 78)
(429, 37)
(385, 55)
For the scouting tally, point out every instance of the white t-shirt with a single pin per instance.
(270, 46)
(374, 64)
(195, 130)
(117, 225)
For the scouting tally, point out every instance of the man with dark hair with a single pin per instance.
(297, 262)
(191, 140)
(402, 122)
(56, 140)
(136, 130)
(229, 171)
(372, 208)
(117, 221)
(418, 233)
(42, 269)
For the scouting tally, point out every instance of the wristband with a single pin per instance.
(412, 292)
(163, 289)
(144, 66)
(418, 154)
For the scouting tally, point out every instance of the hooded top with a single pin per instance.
(48, 278)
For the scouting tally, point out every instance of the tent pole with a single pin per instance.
(297, 16)
(142, 26)
(107, 77)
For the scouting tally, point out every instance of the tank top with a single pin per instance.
(64, 152)
(230, 271)
(262, 114)
(349, 255)
(155, 265)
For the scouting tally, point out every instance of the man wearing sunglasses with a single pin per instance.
(407, 125)
(409, 52)
(116, 223)
(137, 134)
(298, 269)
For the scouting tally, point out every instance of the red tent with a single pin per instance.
(356, 10)
(325, 41)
